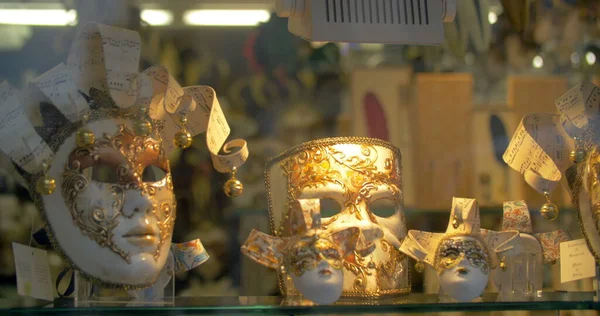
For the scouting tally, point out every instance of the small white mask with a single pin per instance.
(462, 264)
(322, 284)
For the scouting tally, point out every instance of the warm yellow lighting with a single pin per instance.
(538, 61)
(54, 17)
(157, 17)
(590, 58)
(226, 17)
(492, 17)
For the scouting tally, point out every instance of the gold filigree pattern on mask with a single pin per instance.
(392, 269)
(129, 155)
(306, 253)
(321, 166)
(354, 171)
(451, 251)
(593, 184)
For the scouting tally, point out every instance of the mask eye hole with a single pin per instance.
(153, 173)
(330, 207)
(103, 173)
(382, 207)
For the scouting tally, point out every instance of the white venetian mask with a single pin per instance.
(310, 256)
(462, 264)
(464, 255)
(354, 172)
(114, 217)
(91, 139)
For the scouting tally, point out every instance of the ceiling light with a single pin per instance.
(538, 61)
(492, 17)
(51, 17)
(157, 17)
(226, 17)
(590, 58)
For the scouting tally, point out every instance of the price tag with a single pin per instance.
(576, 261)
(33, 272)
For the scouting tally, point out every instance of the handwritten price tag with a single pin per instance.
(576, 261)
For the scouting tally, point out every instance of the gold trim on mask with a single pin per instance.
(450, 253)
(309, 165)
(128, 155)
(306, 253)
(57, 141)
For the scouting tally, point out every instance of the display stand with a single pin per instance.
(162, 293)
(523, 280)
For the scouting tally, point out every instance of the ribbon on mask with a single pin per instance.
(166, 101)
(541, 145)
(188, 255)
(516, 216)
(539, 149)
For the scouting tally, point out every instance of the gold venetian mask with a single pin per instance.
(355, 173)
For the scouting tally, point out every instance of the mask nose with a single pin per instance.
(370, 232)
(136, 203)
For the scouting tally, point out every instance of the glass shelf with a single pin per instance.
(273, 305)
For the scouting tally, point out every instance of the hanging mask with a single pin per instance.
(354, 172)
(92, 139)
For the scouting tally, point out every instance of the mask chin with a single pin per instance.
(319, 289)
(463, 282)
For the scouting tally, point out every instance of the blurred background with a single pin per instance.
(451, 109)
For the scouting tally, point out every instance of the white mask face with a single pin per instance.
(354, 172)
(322, 284)
(462, 264)
(114, 215)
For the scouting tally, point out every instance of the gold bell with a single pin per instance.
(455, 222)
(549, 210)
(142, 128)
(45, 185)
(578, 154)
(233, 187)
(183, 139)
(419, 267)
(503, 265)
(85, 137)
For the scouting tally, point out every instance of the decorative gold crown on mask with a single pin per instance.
(101, 81)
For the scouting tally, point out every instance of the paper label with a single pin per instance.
(33, 272)
(539, 150)
(576, 261)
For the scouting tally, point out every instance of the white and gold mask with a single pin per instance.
(354, 172)
(100, 133)
(464, 255)
(311, 257)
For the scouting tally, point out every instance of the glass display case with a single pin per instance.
(299, 157)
